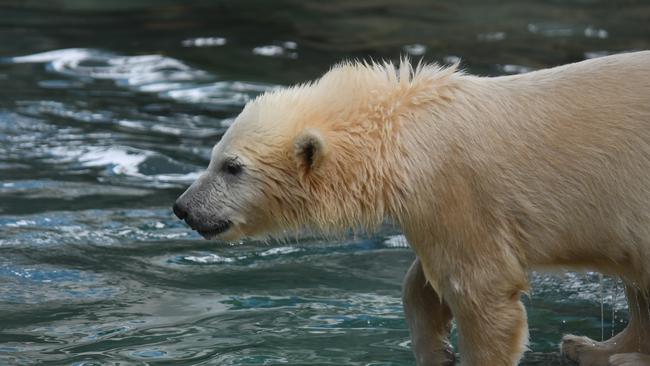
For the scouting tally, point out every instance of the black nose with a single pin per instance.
(180, 211)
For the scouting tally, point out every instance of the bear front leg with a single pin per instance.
(428, 319)
(491, 321)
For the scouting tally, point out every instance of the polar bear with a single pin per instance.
(488, 177)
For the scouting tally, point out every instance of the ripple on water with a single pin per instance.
(204, 42)
(208, 258)
(553, 30)
(165, 76)
(238, 258)
(40, 284)
(116, 145)
(147, 167)
(92, 228)
(177, 125)
(235, 93)
(71, 150)
(278, 49)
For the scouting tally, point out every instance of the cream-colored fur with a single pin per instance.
(488, 178)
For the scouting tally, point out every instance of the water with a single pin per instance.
(109, 109)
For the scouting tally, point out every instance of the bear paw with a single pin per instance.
(629, 359)
(443, 357)
(585, 351)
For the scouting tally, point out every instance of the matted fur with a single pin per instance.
(488, 178)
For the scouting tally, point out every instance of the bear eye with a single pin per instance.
(232, 167)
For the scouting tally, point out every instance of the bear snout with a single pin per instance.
(208, 229)
(179, 210)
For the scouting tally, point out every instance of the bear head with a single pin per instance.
(327, 155)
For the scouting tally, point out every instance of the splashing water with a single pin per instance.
(614, 297)
(602, 307)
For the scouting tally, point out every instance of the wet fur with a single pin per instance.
(488, 178)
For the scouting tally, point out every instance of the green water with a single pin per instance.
(108, 110)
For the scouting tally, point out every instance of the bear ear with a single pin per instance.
(309, 150)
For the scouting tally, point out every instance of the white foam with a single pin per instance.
(204, 42)
(270, 50)
(592, 32)
(123, 161)
(207, 259)
(68, 53)
(396, 241)
(165, 76)
(120, 160)
(20, 223)
(280, 251)
(287, 49)
(415, 49)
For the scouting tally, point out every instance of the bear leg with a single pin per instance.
(428, 318)
(629, 359)
(491, 331)
(630, 347)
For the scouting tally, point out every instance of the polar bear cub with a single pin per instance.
(488, 177)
